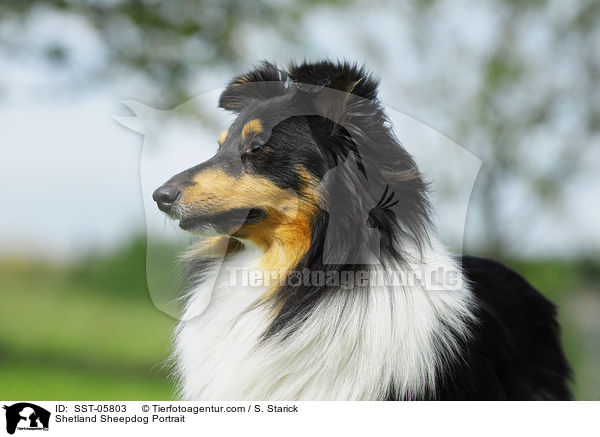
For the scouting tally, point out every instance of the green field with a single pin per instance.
(89, 331)
(76, 334)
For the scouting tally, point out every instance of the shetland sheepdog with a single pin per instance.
(311, 192)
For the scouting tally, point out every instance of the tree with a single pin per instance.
(518, 89)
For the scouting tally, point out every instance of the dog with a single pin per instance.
(310, 185)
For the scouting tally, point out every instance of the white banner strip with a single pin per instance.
(299, 418)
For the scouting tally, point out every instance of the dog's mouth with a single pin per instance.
(225, 221)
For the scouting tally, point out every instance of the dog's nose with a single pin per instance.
(165, 196)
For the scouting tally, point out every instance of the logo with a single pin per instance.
(26, 416)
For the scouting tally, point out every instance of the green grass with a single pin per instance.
(59, 340)
(36, 382)
(89, 331)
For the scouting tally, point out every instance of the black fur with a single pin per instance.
(514, 350)
(325, 113)
(318, 116)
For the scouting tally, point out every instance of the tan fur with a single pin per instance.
(284, 236)
(222, 137)
(253, 127)
(214, 247)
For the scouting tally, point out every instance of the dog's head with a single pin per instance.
(267, 183)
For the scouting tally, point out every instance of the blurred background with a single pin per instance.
(513, 82)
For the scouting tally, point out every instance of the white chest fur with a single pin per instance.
(354, 345)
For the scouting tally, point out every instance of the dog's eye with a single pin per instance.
(255, 146)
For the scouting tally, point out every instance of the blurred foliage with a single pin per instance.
(557, 277)
(523, 95)
(89, 330)
(122, 273)
(169, 43)
(521, 115)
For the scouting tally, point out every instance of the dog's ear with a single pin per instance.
(261, 83)
(343, 93)
(342, 76)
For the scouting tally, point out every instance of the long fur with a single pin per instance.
(486, 335)
(365, 344)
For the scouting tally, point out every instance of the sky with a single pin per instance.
(74, 180)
